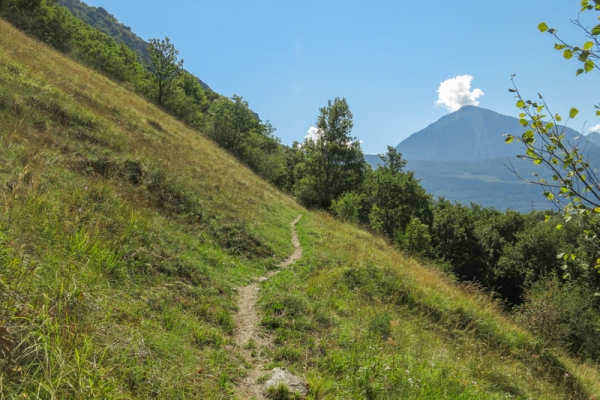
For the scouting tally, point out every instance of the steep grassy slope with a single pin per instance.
(123, 234)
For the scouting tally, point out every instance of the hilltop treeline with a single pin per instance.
(517, 256)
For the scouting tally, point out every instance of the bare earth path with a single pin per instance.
(247, 326)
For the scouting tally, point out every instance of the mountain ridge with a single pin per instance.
(105, 22)
(468, 135)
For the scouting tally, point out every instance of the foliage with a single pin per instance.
(333, 162)
(565, 315)
(235, 128)
(104, 22)
(164, 65)
(574, 186)
(395, 196)
(415, 240)
(347, 207)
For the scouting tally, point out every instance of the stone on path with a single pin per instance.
(292, 382)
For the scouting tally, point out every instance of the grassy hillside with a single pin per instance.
(123, 235)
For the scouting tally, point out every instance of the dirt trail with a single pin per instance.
(247, 327)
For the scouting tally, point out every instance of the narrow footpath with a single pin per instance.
(248, 337)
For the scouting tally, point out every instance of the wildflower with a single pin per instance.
(386, 367)
(411, 381)
(407, 371)
(431, 364)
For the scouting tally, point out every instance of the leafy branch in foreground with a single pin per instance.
(574, 186)
(589, 52)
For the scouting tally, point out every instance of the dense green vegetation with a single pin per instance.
(124, 232)
(103, 21)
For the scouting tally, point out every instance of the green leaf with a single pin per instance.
(549, 195)
(568, 54)
(529, 134)
(558, 117)
(523, 122)
(596, 30)
(589, 65)
(512, 90)
(588, 45)
(520, 104)
(542, 27)
(558, 227)
(559, 46)
(509, 139)
(573, 112)
(538, 161)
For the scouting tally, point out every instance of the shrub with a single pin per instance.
(563, 314)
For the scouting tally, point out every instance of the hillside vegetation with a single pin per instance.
(123, 234)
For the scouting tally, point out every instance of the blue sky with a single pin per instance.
(387, 58)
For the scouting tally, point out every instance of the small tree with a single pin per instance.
(395, 196)
(347, 207)
(164, 65)
(415, 240)
(333, 161)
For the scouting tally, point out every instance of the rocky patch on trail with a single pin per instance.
(294, 383)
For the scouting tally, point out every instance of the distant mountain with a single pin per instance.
(468, 135)
(463, 157)
(106, 23)
(594, 137)
(489, 183)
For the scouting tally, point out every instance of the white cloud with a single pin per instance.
(456, 92)
(595, 128)
(313, 133)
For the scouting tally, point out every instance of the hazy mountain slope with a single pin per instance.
(123, 235)
(489, 183)
(594, 137)
(467, 135)
(105, 22)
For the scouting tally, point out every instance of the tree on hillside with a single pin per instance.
(396, 196)
(575, 186)
(231, 121)
(333, 160)
(164, 65)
